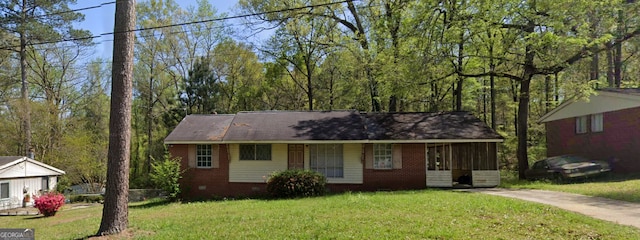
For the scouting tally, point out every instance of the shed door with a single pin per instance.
(296, 156)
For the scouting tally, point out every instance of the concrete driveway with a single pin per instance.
(616, 211)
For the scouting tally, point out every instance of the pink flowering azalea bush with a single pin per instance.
(49, 203)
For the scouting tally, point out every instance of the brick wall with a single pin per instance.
(198, 183)
(620, 139)
(208, 183)
(411, 176)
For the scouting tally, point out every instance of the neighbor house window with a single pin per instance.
(203, 156)
(4, 190)
(382, 154)
(596, 122)
(45, 184)
(327, 159)
(255, 151)
(581, 124)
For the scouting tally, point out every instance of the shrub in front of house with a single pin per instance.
(49, 203)
(166, 175)
(296, 183)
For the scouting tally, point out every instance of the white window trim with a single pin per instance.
(388, 154)
(341, 156)
(581, 124)
(9, 191)
(597, 122)
(198, 156)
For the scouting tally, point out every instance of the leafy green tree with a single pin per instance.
(236, 67)
(33, 22)
(202, 92)
(166, 176)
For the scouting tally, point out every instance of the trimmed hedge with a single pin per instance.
(296, 183)
(88, 198)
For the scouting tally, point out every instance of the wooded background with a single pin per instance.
(506, 61)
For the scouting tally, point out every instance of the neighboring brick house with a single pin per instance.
(606, 126)
(232, 155)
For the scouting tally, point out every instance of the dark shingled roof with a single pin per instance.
(424, 126)
(7, 159)
(201, 128)
(296, 126)
(269, 126)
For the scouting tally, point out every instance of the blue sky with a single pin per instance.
(100, 20)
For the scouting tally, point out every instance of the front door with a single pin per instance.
(296, 156)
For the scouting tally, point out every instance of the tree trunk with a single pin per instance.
(617, 64)
(610, 68)
(523, 115)
(309, 78)
(458, 89)
(547, 94)
(523, 111)
(115, 212)
(149, 126)
(24, 91)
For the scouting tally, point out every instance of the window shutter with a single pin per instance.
(215, 156)
(368, 156)
(192, 156)
(397, 156)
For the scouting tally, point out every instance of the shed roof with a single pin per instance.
(309, 126)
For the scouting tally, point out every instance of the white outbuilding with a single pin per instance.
(22, 178)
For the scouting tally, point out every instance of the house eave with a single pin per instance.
(631, 100)
(335, 141)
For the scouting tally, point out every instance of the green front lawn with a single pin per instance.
(426, 214)
(620, 187)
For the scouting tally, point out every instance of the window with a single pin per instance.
(382, 155)
(255, 151)
(203, 156)
(596, 122)
(45, 184)
(4, 190)
(327, 159)
(581, 124)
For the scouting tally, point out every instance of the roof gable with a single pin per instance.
(15, 166)
(606, 100)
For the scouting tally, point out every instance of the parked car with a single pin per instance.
(566, 167)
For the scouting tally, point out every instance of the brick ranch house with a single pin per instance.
(606, 126)
(232, 155)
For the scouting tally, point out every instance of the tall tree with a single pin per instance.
(153, 83)
(236, 66)
(202, 92)
(33, 22)
(350, 18)
(115, 214)
(548, 41)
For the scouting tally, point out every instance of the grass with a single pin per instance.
(620, 187)
(426, 214)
